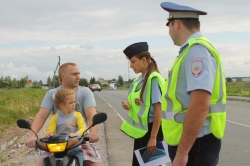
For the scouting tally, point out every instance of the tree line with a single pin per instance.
(8, 83)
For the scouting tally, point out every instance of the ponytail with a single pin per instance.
(152, 66)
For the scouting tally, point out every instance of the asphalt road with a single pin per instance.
(235, 144)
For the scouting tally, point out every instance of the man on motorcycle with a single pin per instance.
(69, 75)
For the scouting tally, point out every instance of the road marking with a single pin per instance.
(112, 108)
(124, 120)
(238, 123)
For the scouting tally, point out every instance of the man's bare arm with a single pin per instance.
(93, 136)
(196, 115)
(37, 124)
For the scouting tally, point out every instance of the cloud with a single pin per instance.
(247, 63)
(235, 58)
(23, 71)
(83, 21)
(33, 35)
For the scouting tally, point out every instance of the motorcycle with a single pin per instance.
(61, 144)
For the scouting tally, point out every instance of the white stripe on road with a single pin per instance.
(238, 123)
(124, 120)
(112, 108)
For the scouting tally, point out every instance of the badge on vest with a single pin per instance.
(196, 67)
(137, 101)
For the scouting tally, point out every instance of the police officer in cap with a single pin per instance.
(194, 98)
(144, 100)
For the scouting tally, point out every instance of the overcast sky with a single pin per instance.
(94, 33)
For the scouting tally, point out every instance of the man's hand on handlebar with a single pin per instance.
(93, 137)
(30, 142)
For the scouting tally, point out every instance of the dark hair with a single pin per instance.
(189, 24)
(152, 66)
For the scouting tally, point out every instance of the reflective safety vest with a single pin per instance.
(173, 114)
(136, 124)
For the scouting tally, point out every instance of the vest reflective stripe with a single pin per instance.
(136, 124)
(180, 116)
(174, 112)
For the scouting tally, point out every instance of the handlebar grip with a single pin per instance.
(86, 138)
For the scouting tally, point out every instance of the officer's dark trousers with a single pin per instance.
(143, 142)
(205, 151)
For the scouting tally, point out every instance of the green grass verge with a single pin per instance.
(19, 103)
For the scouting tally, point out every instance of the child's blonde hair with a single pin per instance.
(61, 96)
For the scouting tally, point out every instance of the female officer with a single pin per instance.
(144, 100)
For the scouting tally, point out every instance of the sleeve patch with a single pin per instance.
(196, 66)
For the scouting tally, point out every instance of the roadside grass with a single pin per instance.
(233, 89)
(18, 103)
(238, 89)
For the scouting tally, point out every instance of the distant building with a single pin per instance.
(246, 79)
(30, 83)
(234, 79)
(45, 87)
(103, 81)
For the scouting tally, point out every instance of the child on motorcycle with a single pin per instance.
(66, 120)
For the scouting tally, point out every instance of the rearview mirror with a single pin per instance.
(99, 118)
(22, 123)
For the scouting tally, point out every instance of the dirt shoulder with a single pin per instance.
(13, 148)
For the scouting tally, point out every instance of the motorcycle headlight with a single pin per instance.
(57, 147)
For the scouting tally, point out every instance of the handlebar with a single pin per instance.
(60, 138)
(86, 138)
(58, 143)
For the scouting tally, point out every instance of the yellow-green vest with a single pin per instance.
(136, 124)
(173, 114)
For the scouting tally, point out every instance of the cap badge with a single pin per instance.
(170, 17)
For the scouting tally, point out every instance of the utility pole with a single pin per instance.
(58, 64)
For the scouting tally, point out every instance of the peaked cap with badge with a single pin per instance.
(135, 48)
(181, 12)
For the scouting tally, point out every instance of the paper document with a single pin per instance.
(160, 157)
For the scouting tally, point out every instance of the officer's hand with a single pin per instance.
(93, 137)
(125, 105)
(151, 145)
(180, 160)
(30, 142)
